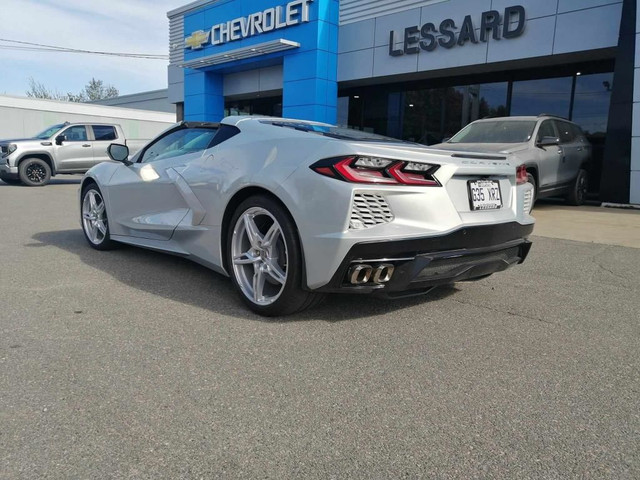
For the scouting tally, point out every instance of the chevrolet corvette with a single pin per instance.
(292, 210)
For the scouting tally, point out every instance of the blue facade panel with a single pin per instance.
(309, 71)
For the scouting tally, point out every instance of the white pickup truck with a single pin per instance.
(65, 148)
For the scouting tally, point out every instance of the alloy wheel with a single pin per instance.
(259, 255)
(94, 217)
(36, 173)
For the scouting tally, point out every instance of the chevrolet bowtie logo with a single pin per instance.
(197, 39)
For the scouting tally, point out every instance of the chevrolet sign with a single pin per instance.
(275, 18)
(197, 40)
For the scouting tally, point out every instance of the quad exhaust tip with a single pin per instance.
(362, 274)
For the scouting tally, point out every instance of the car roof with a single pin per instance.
(522, 118)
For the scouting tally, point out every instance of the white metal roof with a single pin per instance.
(84, 109)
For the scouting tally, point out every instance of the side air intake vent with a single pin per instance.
(369, 210)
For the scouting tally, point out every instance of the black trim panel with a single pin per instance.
(464, 254)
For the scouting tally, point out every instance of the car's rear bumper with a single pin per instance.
(422, 263)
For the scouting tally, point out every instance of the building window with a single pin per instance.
(549, 95)
(591, 103)
(270, 106)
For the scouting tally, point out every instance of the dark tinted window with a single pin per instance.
(77, 133)
(546, 130)
(225, 132)
(566, 132)
(577, 132)
(104, 132)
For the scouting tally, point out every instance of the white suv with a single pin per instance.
(555, 151)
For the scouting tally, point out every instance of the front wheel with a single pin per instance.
(34, 172)
(578, 192)
(94, 220)
(265, 260)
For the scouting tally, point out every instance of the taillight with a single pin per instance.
(521, 175)
(375, 170)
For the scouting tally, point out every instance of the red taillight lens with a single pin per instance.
(521, 175)
(374, 170)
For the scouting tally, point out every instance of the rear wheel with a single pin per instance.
(578, 192)
(34, 172)
(95, 224)
(265, 260)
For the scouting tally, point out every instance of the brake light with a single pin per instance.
(375, 170)
(521, 175)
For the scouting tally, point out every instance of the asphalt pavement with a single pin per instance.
(134, 364)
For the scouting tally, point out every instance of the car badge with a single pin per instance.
(197, 39)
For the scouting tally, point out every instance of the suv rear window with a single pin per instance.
(497, 131)
(104, 132)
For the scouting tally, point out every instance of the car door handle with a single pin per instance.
(86, 145)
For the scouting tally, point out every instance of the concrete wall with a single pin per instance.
(24, 117)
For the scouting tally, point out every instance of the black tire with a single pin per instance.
(34, 172)
(11, 181)
(578, 192)
(532, 180)
(104, 242)
(292, 297)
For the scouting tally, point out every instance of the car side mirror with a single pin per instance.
(119, 153)
(548, 141)
(60, 138)
(446, 139)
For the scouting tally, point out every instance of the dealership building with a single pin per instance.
(419, 69)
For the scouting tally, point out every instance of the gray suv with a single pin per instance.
(555, 151)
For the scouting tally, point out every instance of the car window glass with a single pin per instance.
(104, 132)
(495, 131)
(179, 142)
(565, 132)
(577, 132)
(77, 133)
(546, 130)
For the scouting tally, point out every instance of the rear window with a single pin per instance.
(104, 132)
(498, 131)
(333, 132)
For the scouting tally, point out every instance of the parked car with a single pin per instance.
(555, 151)
(294, 209)
(60, 149)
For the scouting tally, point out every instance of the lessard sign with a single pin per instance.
(275, 18)
(429, 37)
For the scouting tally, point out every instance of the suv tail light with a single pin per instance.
(521, 175)
(375, 170)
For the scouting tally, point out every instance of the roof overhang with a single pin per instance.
(251, 51)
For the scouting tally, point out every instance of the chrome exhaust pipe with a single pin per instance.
(383, 273)
(360, 274)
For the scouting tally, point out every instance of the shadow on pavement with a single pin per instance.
(52, 183)
(184, 281)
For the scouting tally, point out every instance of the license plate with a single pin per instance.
(484, 194)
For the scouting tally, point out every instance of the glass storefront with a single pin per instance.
(429, 115)
(271, 106)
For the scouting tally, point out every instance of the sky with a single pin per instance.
(132, 26)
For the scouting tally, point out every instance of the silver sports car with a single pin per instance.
(292, 209)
